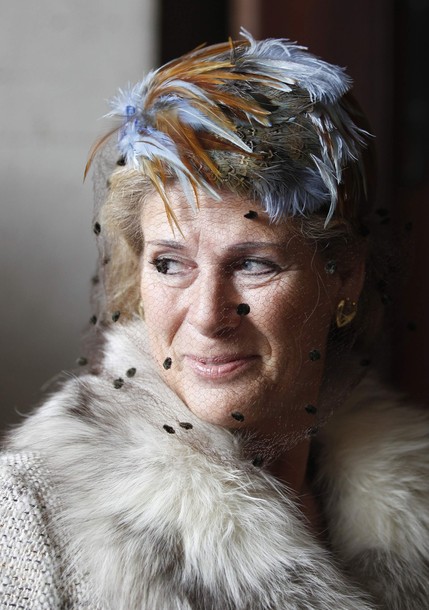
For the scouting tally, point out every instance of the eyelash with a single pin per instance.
(161, 265)
(269, 266)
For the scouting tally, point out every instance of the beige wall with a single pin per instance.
(60, 60)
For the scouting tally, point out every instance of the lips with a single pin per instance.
(222, 359)
(219, 367)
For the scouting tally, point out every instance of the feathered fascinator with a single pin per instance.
(265, 119)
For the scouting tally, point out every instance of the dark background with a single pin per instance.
(383, 46)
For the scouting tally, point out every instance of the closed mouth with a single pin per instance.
(217, 367)
(221, 359)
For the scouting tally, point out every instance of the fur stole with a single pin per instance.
(164, 512)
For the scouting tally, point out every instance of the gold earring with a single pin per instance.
(140, 309)
(346, 312)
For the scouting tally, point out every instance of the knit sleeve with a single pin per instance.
(29, 562)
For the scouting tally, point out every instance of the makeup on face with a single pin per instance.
(236, 306)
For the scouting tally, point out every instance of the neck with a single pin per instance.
(291, 468)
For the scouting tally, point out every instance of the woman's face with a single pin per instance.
(196, 288)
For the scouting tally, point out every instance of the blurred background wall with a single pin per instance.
(61, 60)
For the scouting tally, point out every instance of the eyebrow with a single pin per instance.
(256, 245)
(242, 246)
(168, 243)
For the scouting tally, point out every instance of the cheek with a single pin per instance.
(153, 295)
(296, 316)
(159, 314)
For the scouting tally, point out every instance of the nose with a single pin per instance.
(212, 305)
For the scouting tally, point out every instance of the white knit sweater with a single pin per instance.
(32, 577)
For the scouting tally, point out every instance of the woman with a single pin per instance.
(194, 463)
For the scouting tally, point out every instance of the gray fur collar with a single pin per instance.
(183, 521)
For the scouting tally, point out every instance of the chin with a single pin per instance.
(220, 413)
(227, 407)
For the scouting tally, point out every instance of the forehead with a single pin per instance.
(227, 219)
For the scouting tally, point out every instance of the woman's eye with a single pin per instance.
(254, 266)
(168, 266)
